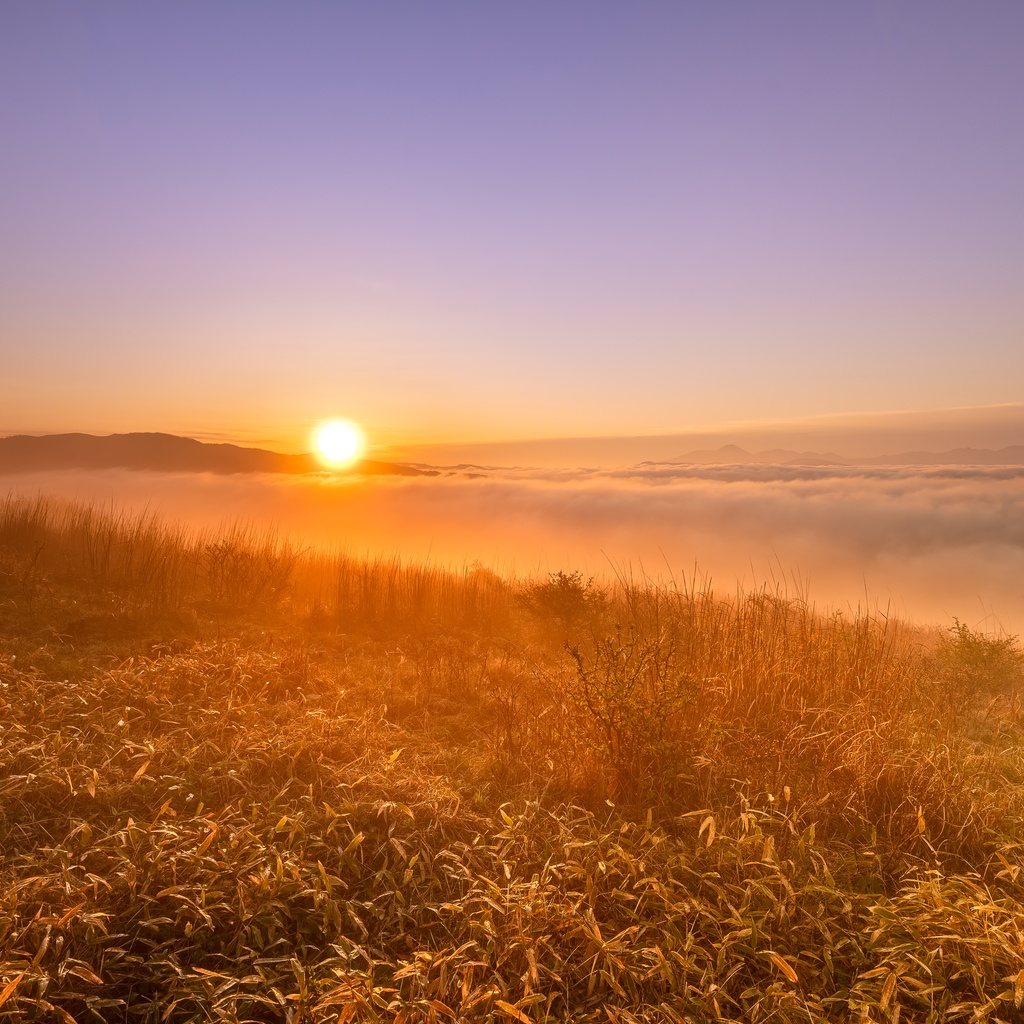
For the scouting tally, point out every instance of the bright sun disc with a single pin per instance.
(339, 441)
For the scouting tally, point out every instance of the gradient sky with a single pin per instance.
(464, 221)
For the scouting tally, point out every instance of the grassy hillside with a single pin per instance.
(242, 782)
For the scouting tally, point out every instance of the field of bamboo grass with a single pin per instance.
(240, 781)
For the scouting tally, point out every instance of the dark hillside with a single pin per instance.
(165, 453)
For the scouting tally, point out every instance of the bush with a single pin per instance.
(971, 665)
(630, 689)
(565, 602)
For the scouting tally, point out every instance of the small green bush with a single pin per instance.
(630, 689)
(971, 664)
(565, 600)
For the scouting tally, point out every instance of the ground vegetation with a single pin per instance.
(242, 781)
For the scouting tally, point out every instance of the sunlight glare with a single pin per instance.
(339, 441)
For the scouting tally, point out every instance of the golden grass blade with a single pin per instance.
(785, 967)
(508, 1010)
(8, 990)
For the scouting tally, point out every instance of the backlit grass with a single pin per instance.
(245, 782)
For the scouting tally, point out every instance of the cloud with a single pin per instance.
(935, 541)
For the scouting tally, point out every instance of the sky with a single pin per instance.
(463, 222)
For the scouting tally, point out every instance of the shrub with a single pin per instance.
(630, 689)
(970, 664)
(565, 600)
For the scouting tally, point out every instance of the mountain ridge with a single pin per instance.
(731, 454)
(172, 453)
(168, 453)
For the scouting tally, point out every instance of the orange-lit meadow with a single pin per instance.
(247, 781)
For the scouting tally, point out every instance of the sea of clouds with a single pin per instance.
(929, 543)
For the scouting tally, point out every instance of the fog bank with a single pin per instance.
(929, 543)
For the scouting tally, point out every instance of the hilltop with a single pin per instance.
(167, 453)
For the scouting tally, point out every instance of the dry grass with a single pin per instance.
(240, 782)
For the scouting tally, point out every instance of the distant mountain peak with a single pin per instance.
(730, 454)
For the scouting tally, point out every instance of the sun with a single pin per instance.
(339, 441)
